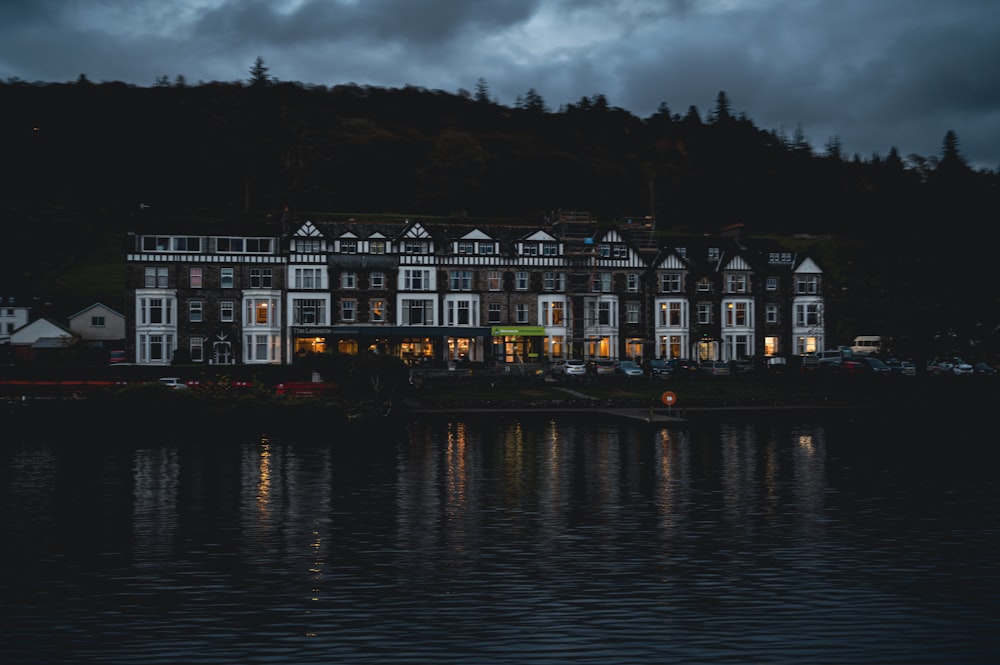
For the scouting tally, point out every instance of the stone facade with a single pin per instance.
(489, 294)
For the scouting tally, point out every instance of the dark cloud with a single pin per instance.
(892, 73)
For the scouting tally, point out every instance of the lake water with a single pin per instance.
(543, 539)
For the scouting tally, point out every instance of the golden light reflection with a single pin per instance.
(663, 458)
(317, 568)
(456, 466)
(264, 480)
(514, 460)
(807, 445)
(553, 439)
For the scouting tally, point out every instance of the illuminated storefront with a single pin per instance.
(412, 344)
(518, 344)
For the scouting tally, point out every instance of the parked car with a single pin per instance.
(901, 367)
(573, 367)
(866, 345)
(628, 368)
(982, 369)
(830, 359)
(681, 367)
(715, 368)
(851, 366)
(173, 382)
(937, 367)
(659, 367)
(875, 366)
(604, 367)
(741, 366)
(962, 368)
(116, 357)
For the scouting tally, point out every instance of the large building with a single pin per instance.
(453, 292)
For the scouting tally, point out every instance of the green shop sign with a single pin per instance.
(523, 331)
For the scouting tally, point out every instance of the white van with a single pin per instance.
(866, 345)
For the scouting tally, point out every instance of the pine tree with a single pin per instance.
(482, 94)
(258, 73)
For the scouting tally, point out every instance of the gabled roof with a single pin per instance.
(672, 262)
(416, 230)
(538, 236)
(737, 263)
(29, 333)
(96, 305)
(476, 234)
(807, 265)
(611, 235)
(308, 229)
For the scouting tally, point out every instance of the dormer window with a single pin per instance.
(187, 244)
(465, 247)
(550, 249)
(613, 251)
(155, 243)
(376, 246)
(348, 246)
(415, 247)
(258, 245)
(305, 245)
(229, 244)
(487, 247)
(713, 253)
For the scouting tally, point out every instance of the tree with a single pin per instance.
(482, 94)
(258, 73)
(951, 159)
(692, 117)
(800, 144)
(893, 161)
(834, 148)
(532, 101)
(723, 109)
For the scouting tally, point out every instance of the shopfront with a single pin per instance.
(519, 344)
(414, 345)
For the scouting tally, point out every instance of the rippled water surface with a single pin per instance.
(504, 540)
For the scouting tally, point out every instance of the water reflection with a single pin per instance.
(155, 499)
(487, 540)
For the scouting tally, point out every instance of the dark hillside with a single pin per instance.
(88, 158)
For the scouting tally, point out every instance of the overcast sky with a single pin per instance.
(873, 73)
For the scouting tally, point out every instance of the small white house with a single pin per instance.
(98, 325)
(12, 317)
